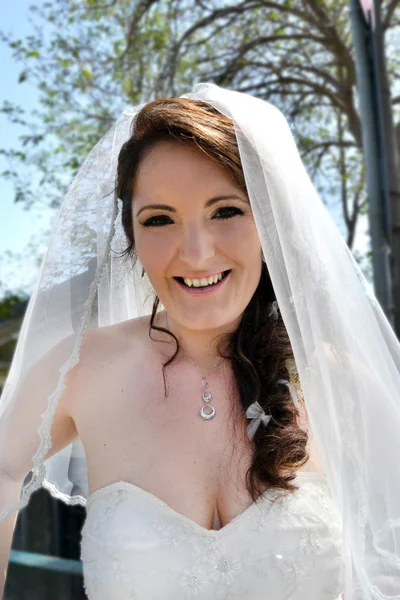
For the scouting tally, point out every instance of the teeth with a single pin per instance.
(204, 281)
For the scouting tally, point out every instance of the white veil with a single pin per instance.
(346, 353)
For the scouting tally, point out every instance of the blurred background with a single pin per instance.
(68, 68)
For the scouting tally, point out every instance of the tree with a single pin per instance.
(12, 306)
(91, 58)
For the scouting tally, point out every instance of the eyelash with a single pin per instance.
(152, 221)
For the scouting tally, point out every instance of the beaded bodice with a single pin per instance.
(134, 546)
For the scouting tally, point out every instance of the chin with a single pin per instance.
(212, 320)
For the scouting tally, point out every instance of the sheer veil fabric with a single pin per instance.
(347, 355)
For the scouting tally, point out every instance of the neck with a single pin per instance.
(200, 346)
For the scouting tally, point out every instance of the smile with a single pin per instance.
(204, 284)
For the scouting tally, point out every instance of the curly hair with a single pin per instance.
(259, 349)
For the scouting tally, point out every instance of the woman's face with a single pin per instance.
(191, 221)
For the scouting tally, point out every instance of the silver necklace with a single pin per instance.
(206, 395)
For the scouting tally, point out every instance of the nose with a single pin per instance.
(197, 247)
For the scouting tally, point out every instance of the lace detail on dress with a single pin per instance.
(285, 548)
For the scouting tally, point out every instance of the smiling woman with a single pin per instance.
(197, 379)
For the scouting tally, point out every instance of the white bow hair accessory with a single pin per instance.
(256, 413)
(274, 312)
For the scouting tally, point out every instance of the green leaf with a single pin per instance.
(64, 62)
(23, 76)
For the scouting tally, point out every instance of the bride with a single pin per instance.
(178, 419)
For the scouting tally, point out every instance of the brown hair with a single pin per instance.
(260, 347)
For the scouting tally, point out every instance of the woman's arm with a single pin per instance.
(20, 440)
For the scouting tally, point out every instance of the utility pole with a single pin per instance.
(363, 19)
(392, 164)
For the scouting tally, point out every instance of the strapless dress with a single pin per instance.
(134, 546)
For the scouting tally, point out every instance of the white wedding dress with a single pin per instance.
(134, 546)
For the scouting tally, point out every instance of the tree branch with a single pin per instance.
(387, 18)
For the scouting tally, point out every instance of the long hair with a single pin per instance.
(259, 349)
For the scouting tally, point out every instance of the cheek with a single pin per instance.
(241, 238)
(246, 246)
(154, 249)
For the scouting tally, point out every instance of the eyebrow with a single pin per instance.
(209, 202)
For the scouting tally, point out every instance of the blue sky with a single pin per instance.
(17, 226)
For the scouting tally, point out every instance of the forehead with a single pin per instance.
(173, 168)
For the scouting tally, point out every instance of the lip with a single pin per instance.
(202, 291)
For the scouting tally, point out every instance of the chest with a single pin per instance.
(162, 444)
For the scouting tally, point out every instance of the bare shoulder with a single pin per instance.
(104, 344)
(108, 355)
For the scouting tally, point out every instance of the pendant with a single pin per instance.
(209, 416)
(206, 396)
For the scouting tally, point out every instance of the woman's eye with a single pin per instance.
(226, 212)
(157, 221)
